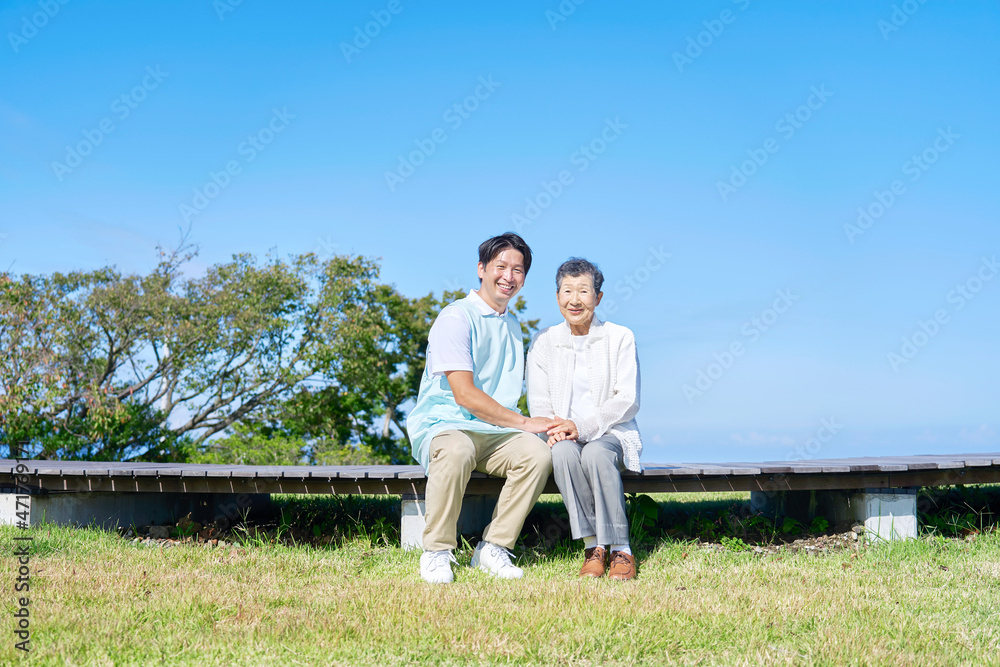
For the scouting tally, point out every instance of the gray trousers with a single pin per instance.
(589, 478)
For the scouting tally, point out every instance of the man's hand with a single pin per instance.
(562, 429)
(538, 424)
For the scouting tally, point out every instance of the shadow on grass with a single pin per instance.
(652, 521)
(958, 511)
(332, 521)
(325, 521)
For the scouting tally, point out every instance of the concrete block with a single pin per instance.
(799, 505)
(9, 507)
(412, 523)
(887, 514)
(110, 510)
(476, 514)
(803, 506)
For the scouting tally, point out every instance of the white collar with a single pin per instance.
(565, 336)
(485, 309)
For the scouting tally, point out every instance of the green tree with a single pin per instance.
(100, 365)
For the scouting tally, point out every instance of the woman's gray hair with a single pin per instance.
(577, 266)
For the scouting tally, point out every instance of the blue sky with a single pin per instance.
(711, 157)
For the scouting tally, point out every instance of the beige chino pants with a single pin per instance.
(523, 458)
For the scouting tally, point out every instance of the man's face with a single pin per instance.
(502, 278)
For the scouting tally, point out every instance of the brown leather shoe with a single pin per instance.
(622, 566)
(594, 562)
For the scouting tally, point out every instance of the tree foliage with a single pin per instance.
(281, 361)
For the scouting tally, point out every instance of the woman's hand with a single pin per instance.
(563, 429)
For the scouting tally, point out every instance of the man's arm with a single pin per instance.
(482, 405)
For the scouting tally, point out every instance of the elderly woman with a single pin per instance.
(585, 373)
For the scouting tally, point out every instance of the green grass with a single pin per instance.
(98, 599)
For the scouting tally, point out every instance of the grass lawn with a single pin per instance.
(99, 599)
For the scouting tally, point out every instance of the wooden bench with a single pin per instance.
(880, 492)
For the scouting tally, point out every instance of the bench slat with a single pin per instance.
(885, 471)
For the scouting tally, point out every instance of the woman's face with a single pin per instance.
(577, 302)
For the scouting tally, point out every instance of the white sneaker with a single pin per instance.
(435, 567)
(488, 557)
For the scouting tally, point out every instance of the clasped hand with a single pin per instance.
(562, 429)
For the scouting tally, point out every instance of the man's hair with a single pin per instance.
(577, 266)
(490, 248)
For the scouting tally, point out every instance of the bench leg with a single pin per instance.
(109, 510)
(477, 512)
(11, 504)
(887, 514)
(412, 523)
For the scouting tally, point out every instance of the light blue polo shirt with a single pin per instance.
(497, 349)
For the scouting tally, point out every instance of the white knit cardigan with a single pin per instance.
(612, 373)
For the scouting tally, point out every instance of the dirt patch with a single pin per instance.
(816, 545)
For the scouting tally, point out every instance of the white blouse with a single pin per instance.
(612, 368)
(581, 403)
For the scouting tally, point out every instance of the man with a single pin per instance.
(466, 416)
